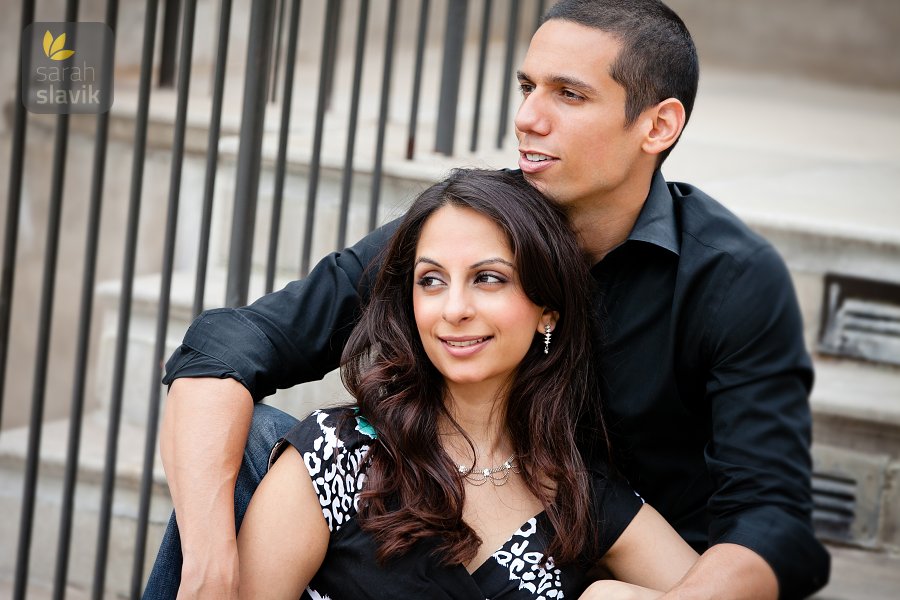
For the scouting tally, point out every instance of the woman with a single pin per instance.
(473, 462)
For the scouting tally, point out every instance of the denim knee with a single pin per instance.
(268, 426)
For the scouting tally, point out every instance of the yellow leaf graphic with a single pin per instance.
(58, 44)
(48, 39)
(62, 54)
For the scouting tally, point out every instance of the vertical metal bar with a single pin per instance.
(165, 289)
(169, 45)
(511, 35)
(127, 285)
(417, 80)
(454, 36)
(316, 158)
(482, 60)
(347, 179)
(259, 51)
(84, 329)
(383, 113)
(281, 163)
(14, 202)
(539, 14)
(212, 155)
(333, 28)
(45, 319)
(276, 63)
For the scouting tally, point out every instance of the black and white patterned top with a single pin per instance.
(350, 571)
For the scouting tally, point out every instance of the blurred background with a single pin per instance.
(248, 139)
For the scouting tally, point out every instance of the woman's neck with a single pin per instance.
(482, 416)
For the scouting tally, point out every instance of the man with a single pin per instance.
(705, 374)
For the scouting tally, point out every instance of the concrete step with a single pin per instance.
(859, 574)
(54, 437)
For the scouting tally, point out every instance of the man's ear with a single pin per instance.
(550, 317)
(667, 120)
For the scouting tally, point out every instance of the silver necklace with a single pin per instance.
(498, 475)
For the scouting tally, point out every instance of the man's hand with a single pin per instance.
(202, 439)
(727, 572)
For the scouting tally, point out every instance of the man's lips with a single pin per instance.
(534, 162)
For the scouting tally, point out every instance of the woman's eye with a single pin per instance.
(428, 281)
(489, 278)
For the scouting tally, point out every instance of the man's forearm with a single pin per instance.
(204, 430)
(727, 572)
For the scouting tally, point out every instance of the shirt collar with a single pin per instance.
(656, 222)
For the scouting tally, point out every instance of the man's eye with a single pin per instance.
(526, 88)
(569, 94)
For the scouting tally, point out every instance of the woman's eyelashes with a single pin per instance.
(482, 278)
(490, 278)
(429, 281)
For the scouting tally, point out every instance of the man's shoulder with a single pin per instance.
(709, 231)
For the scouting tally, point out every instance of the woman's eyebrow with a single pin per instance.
(491, 261)
(480, 263)
(430, 261)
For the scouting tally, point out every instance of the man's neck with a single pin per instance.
(604, 223)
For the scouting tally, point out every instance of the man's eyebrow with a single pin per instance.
(561, 81)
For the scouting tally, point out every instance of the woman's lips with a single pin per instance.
(461, 347)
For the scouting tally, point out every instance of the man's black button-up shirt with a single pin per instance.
(704, 372)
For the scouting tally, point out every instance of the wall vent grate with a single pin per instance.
(834, 506)
(861, 319)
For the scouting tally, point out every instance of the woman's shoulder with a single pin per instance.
(614, 503)
(333, 443)
(328, 433)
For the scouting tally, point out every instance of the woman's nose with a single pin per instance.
(458, 306)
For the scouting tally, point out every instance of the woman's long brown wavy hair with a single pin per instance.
(413, 489)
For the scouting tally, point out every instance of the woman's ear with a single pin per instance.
(550, 317)
(668, 119)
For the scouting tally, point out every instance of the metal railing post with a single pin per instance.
(259, 50)
(45, 319)
(512, 32)
(123, 326)
(417, 80)
(169, 44)
(454, 37)
(14, 200)
(64, 539)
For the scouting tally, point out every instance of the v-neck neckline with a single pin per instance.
(477, 574)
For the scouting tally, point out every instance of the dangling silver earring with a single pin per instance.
(546, 339)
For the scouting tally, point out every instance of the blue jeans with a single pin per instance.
(268, 426)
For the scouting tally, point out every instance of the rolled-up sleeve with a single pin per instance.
(287, 337)
(759, 455)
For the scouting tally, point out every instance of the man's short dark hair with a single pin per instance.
(658, 59)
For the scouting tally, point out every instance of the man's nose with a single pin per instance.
(532, 115)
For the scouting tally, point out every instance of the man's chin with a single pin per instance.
(540, 184)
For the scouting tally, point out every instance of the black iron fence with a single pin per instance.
(273, 33)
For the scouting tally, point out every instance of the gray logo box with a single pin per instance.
(67, 68)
